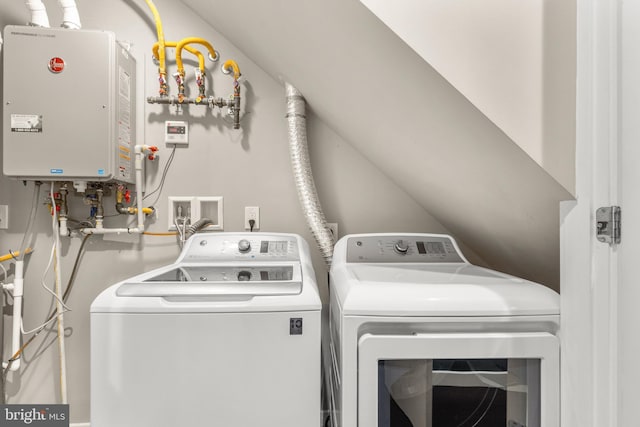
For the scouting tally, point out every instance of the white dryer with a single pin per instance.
(422, 338)
(228, 335)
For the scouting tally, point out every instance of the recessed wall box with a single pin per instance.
(69, 106)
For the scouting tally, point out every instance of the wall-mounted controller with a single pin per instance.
(176, 132)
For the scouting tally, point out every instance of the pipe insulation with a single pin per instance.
(70, 17)
(307, 194)
(39, 17)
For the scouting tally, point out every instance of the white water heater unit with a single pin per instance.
(68, 107)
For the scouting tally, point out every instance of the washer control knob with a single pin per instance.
(401, 247)
(244, 276)
(244, 246)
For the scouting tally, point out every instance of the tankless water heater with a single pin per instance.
(69, 106)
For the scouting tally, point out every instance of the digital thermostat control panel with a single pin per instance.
(176, 132)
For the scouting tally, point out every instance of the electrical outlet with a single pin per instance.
(252, 213)
(4, 217)
(333, 226)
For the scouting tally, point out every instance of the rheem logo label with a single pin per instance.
(56, 65)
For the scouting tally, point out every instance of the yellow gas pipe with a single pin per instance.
(182, 44)
(231, 65)
(189, 49)
(181, 72)
(14, 255)
(162, 71)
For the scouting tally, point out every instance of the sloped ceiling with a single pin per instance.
(394, 108)
(513, 60)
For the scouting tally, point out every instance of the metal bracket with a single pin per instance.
(608, 224)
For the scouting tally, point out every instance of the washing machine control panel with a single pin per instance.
(244, 247)
(402, 248)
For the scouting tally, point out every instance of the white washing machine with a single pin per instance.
(228, 335)
(422, 338)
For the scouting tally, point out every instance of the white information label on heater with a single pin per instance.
(26, 123)
(124, 126)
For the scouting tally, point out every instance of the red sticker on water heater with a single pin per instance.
(56, 65)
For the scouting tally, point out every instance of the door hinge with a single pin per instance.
(608, 224)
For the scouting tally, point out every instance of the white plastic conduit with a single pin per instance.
(39, 17)
(297, 121)
(71, 17)
(16, 289)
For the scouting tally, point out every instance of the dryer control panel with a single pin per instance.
(403, 248)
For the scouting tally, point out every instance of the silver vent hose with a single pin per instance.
(307, 194)
(197, 226)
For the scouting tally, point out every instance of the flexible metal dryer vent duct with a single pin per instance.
(297, 121)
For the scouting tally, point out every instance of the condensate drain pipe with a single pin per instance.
(296, 119)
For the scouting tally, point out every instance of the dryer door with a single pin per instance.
(459, 380)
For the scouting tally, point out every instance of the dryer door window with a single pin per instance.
(459, 380)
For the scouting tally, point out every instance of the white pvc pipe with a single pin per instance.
(17, 291)
(139, 150)
(39, 17)
(64, 228)
(71, 17)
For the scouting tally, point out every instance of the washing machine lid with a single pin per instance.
(451, 289)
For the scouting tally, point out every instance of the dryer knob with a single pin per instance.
(401, 247)
(244, 246)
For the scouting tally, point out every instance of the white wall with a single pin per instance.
(249, 167)
(515, 61)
